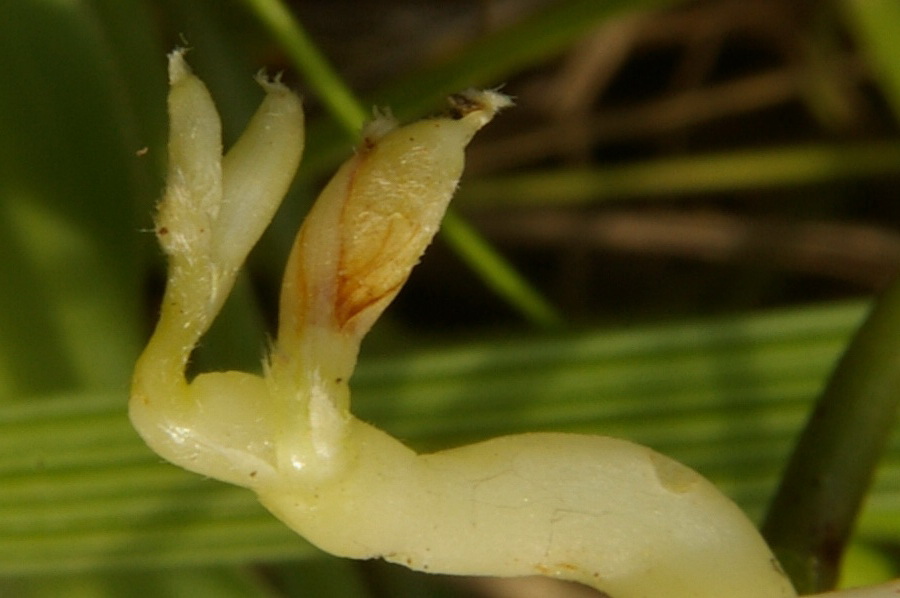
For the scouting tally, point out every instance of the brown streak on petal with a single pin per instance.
(353, 299)
(360, 280)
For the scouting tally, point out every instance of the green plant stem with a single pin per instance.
(832, 467)
(348, 111)
(304, 54)
(875, 23)
(497, 273)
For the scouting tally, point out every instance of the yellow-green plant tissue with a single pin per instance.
(604, 512)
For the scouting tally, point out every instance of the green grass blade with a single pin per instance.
(497, 274)
(194, 582)
(673, 176)
(80, 491)
(832, 467)
(876, 25)
(304, 54)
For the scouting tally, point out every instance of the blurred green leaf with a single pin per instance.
(833, 465)
(79, 491)
(876, 25)
(194, 582)
(70, 183)
(863, 563)
(773, 167)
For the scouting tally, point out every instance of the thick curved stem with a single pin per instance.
(604, 512)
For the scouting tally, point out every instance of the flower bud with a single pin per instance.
(375, 218)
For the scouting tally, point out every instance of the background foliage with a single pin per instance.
(672, 238)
